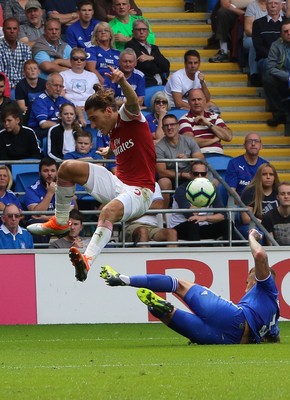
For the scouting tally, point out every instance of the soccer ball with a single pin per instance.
(200, 192)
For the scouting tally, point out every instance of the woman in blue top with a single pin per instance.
(102, 52)
(160, 105)
(6, 195)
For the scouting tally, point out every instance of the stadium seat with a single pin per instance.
(22, 182)
(177, 112)
(149, 92)
(218, 162)
(17, 169)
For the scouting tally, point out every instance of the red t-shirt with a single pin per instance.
(133, 147)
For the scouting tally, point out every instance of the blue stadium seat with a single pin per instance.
(17, 169)
(177, 112)
(24, 180)
(218, 162)
(149, 92)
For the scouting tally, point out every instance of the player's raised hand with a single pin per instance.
(115, 74)
(255, 234)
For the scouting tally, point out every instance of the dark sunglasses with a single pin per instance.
(78, 59)
(163, 102)
(199, 173)
(13, 215)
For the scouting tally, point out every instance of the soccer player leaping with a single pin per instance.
(213, 320)
(127, 195)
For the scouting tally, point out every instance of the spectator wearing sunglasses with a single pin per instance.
(150, 60)
(13, 236)
(198, 225)
(160, 105)
(78, 83)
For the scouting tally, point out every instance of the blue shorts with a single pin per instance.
(215, 319)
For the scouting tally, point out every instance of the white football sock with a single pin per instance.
(63, 199)
(100, 238)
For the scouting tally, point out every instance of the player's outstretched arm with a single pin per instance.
(262, 269)
(132, 104)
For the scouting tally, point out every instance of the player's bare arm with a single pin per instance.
(132, 103)
(262, 269)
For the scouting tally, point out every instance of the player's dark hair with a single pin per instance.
(101, 99)
(85, 3)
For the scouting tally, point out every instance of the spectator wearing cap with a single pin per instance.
(34, 27)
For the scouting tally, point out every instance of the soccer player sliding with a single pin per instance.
(213, 320)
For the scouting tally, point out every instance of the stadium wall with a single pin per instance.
(38, 287)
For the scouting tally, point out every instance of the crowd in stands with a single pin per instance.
(53, 53)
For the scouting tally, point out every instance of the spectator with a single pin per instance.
(172, 146)
(122, 24)
(160, 105)
(60, 138)
(198, 225)
(127, 64)
(102, 52)
(12, 236)
(1, 21)
(104, 9)
(242, 169)
(30, 87)
(181, 81)
(146, 227)
(265, 31)
(7, 87)
(45, 108)
(49, 51)
(16, 9)
(206, 128)
(6, 195)
(260, 196)
(227, 15)
(33, 28)
(79, 33)
(64, 10)
(83, 147)
(4, 101)
(277, 221)
(40, 196)
(73, 237)
(255, 10)
(276, 79)
(13, 53)
(78, 83)
(149, 58)
(17, 141)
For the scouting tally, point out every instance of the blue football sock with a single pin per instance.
(155, 282)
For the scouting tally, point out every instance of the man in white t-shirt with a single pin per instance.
(189, 77)
(78, 83)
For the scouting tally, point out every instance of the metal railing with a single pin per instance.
(235, 206)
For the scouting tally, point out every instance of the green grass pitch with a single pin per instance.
(136, 361)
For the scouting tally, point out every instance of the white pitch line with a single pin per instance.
(210, 362)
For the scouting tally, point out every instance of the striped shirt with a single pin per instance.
(187, 124)
(12, 60)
